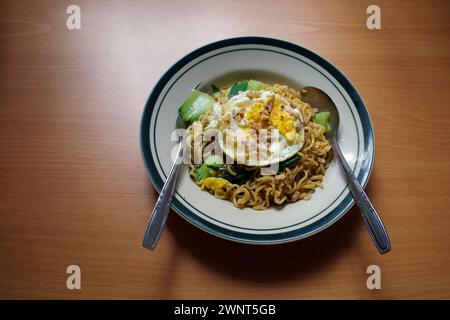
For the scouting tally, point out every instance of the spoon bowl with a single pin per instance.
(318, 99)
(323, 103)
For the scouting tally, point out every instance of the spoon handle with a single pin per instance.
(162, 206)
(371, 219)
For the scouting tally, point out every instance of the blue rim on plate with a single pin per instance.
(274, 238)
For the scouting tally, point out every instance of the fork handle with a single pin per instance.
(161, 210)
(372, 220)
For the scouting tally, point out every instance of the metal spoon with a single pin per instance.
(162, 206)
(320, 100)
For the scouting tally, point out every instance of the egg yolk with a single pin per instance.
(254, 114)
(218, 185)
(284, 122)
(278, 118)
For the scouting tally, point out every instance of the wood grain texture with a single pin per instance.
(73, 188)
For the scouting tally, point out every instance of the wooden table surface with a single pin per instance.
(74, 190)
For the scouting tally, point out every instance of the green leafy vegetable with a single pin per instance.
(214, 161)
(240, 177)
(195, 105)
(254, 85)
(283, 164)
(238, 86)
(202, 172)
(322, 119)
(214, 89)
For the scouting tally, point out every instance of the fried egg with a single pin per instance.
(260, 128)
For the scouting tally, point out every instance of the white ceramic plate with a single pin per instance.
(272, 61)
